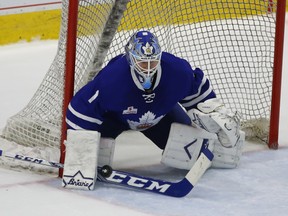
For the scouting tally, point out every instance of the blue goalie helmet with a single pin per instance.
(143, 53)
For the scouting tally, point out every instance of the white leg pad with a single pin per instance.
(184, 145)
(106, 151)
(80, 167)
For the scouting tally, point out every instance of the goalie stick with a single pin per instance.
(109, 175)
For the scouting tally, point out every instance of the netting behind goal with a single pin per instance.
(232, 41)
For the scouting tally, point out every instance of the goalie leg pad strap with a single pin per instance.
(80, 167)
(184, 145)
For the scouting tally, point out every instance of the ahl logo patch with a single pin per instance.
(130, 110)
(78, 181)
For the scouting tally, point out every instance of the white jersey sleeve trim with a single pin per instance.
(81, 116)
(73, 125)
(94, 97)
(199, 90)
(198, 99)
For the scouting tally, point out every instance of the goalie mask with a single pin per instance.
(143, 53)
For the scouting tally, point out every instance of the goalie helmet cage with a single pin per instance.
(237, 43)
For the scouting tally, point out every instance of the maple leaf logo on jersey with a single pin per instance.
(146, 121)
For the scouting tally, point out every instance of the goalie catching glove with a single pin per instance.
(212, 116)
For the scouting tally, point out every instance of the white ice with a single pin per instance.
(259, 187)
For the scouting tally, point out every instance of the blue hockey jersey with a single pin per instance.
(115, 90)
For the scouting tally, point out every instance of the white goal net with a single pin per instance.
(232, 41)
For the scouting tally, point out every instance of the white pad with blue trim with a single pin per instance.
(184, 145)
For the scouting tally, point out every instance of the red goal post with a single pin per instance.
(277, 74)
(237, 43)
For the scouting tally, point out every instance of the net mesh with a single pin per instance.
(232, 41)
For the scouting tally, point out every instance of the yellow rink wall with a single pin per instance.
(45, 25)
(41, 25)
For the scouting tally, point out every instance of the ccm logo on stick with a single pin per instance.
(138, 182)
(29, 159)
